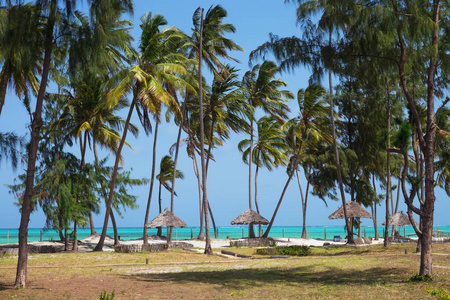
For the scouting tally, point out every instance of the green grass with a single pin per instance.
(342, 272)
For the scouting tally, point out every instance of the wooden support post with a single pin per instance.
(404, 231)
(324, 233)
(40, 238)
(243, 235)
(283, 232)
(364, 232)
(192, 233)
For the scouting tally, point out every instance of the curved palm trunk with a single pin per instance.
(256, 197)
(152, 180)
(304, 203)
(216, 232)
(101, 242)
(266, 233)
(116, 234)
(251, 232)
(175, 161)
(201, 234)
(208, 249)
(21, 274)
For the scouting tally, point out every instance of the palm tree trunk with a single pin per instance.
(336, 156)
(251, 233)
(175, 162)
(152, 180)
(374, 210)
(83, 153)
(99, 246)
(266, 233)
(91, 224)
(304, 203)
(116, 233)
(216, 233)
(66, 240)
(256, 197)
(159, 232)
(21, 274)
(388, 188)
(201, 234)
(208, 249)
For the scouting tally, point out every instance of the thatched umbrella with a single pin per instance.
(399, 219)
(166, 218)
(249, 217)
(354, 210)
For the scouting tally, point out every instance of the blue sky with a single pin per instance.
(228, 175)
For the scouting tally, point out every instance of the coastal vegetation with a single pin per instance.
(386, 118)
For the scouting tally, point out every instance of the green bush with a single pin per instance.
(441, 293)
(291, 251)
(421, 278)
(105, 296)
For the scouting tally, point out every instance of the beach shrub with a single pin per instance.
(290, 250)
(105, 296)
(421, 278)
(441, 293)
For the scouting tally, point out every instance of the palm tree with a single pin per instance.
(225, 111)
(269, 149)
(166, 172)
(305, 130)
(207, 44)
(158, 48)
(261, 90)
(146, 80)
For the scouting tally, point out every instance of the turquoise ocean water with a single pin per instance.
(131, 233)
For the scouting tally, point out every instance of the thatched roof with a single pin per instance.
(249, 216)
(354, 210)
(166, 218)
(399, 219)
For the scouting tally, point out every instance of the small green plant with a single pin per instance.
(421, 278)
(105, 296)
(291, 251)
(441, 293)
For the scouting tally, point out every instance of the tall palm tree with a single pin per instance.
(147, 80)
(305, 130)
(158, 47)
(269, 150)
(261, 90)
(206, 45)
(225, 111)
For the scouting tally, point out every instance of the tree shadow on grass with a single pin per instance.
(237, 278)
(5, 286)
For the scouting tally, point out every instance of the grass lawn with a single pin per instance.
(339, 272)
